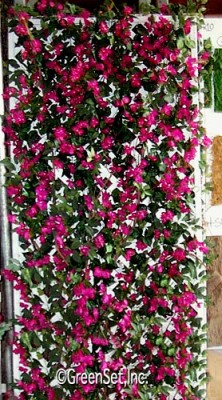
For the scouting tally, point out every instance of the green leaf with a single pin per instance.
(14, 265)
(76, 257)
(92, 254)
(171, 352)
(164, 282)
(13, 63)
(89, 230)
(74, 345)
(166, 389)
(4, 327)
(39, 356)
(76, 278)
(208, 43)
(26, 275)
(8, 164)
(25, 339)
(109, 247)
(159, 341)
(72, 8)
(75, 244)
(55, 357)
(180, 43)
(189, 42)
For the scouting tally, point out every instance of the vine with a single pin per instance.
(101, 193)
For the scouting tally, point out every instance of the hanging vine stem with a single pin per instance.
(74, 69)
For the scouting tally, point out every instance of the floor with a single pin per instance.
(214, 391)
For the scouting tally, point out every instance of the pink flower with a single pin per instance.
(192, 66)
(103, 27)
(99, 341)
(88, 387)
(89, 202)
(203, 248)
(60, 134)
(94, 86)
(101, 273)
(50, 393)
(94, 122)
(13, 190)
(23, 231)
(79, 128)
(167, 216)
(106, 200)
(18, 116)
(141, 245)
(161, 374)
(120, 306)
(85, 359)
(205, 56)
(166, 233)
(187, 26)
(9, 92)
(107, 299)
(9, 275)
(76, 73)
(28, 388)
(186, 299)
(135, 390)
(190, 154)
(129, 253)
(69, 19)
(136, 80)
(177, 135)
(105, 53)
(162, 77)
(59, 241)
(67, 148)
(127, 10)
(36, 46)
(125, 322)
(107, 143)
(41, 196)
(183, 358)
(84, 250)
(99, 241)
(159, 268)
(179, 254)
(167, 109)
(125, 229)
(77, 395)
(206, 141)
(192, 245)
(12, 218)
(58, 164)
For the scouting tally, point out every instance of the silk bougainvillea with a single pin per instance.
(103, 130)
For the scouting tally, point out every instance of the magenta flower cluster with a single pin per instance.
(103, 131)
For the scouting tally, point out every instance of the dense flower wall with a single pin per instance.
(103, 131)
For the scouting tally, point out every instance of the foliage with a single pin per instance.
(217, 79)
(208, 76)
(103, 131)
(4, 327)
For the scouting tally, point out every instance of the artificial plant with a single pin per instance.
(103, 130)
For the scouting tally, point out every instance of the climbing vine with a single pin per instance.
(103, 132)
